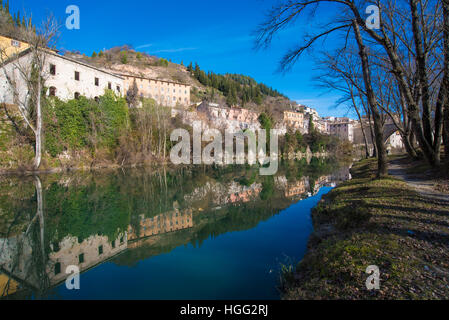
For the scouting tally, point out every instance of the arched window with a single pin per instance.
(52, 92)
(97, 99)
(77, 95)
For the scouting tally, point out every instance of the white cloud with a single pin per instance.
(145, 46)
(174, 50)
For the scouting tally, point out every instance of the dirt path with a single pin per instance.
(420, 182)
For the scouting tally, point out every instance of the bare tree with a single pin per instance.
(132, 95)
(446, 79)
(372, 101)
(26, 75)
(410, 36)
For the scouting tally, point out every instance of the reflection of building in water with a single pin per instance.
(7, 285)
(296, 188)
(320, 182)
(21, 258)
(85, 255)
(343, 174)
(245, 195)
(164, 223)
(222, 194)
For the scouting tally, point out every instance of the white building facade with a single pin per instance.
(167, 93)
(343, 130)
(65, 78)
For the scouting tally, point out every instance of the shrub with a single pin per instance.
(77, 124)
(124, 58)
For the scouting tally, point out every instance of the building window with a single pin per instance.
(52, 92)
(52, 69)
(109, 86)
(15, 43)
(97, 99)
(118, 89)
(81, 258)
(56, 247)
(57, 268)
(97, 82)
(100, 250)
(77, 95)
(77, 76)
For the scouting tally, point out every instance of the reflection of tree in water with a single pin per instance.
(82, 205)
(27, 251)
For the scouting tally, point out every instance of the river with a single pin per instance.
(159, 233)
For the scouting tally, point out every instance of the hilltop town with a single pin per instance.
(72, 75)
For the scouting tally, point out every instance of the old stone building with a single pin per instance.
(343, 130)
(165, 93)
(294, 120)
(65, 78)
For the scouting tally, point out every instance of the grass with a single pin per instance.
(366, 222)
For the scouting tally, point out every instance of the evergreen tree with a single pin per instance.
(124, 58)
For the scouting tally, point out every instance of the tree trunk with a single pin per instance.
(367, 153)
(446, 80)
(382, 167)
(407, 139)
(421, 65)
(38, 133)
(412, 105)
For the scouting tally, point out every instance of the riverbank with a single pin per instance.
(387, 223)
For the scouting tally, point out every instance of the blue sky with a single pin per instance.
(216, 34)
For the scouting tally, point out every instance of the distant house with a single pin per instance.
(312, 112)
(234, 119)
(294, 120)
(343, 130)
(395, 141)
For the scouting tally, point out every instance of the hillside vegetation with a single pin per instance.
(230, 89)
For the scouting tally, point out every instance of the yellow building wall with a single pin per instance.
(9, 47)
